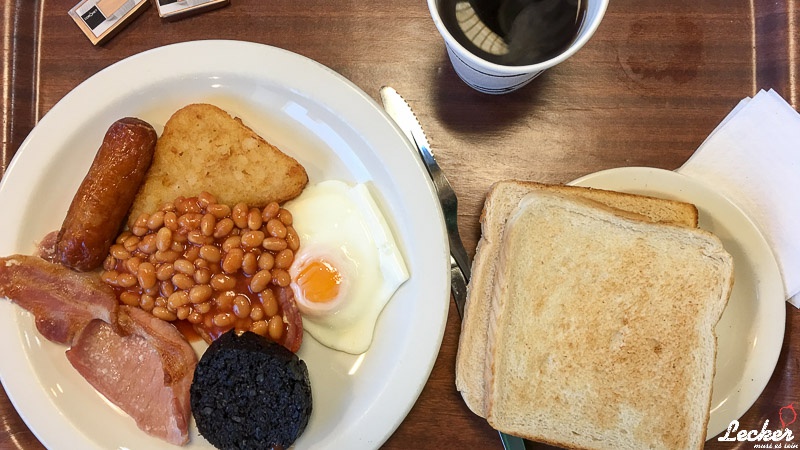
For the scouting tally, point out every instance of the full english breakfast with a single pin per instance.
(211, 231)
(590, 318)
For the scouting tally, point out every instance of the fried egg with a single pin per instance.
(348, 265)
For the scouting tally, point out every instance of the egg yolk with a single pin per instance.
(319, 281)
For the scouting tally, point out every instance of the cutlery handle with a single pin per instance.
(458, 286)
(511, 442)
(449, 202)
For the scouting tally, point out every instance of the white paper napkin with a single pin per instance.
(753, 158)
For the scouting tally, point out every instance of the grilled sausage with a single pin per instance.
(106, 194)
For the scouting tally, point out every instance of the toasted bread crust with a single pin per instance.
(203, 148)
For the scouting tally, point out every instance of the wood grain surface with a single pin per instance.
(648, 88)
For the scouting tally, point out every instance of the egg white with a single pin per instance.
(334, 218)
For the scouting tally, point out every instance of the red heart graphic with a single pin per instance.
(789, 410)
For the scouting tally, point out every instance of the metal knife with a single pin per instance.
(401, 113)
(460, 268)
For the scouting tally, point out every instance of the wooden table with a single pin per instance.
(648, 88)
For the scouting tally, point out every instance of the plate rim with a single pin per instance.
(653, 177)
(60, 432)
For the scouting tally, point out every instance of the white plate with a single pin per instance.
(750, 332)
(336, 131)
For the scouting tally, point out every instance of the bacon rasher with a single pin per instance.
(62, 300)
(146, 371)
(139, 362)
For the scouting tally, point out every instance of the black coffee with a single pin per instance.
(513, 32)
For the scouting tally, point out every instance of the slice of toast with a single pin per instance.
(502, 198)
(203, 148)
(602, 328)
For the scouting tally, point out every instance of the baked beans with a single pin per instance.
(212, 265)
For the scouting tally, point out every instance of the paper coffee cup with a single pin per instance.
(492, 78)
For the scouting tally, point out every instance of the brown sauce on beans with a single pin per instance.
(207, 267)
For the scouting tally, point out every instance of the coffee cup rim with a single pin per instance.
(501, 69)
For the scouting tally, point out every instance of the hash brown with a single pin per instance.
(203, 148)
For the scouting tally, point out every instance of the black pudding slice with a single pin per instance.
(250, 393)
